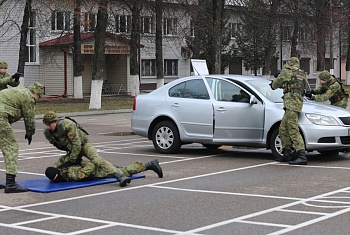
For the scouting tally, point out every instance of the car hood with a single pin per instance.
(324, 109)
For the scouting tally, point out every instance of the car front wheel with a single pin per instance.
(166, 138)
(276, 145)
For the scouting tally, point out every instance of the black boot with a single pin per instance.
(154, 166)
(12, 187)
(123, 180)
(301, 160)
(287, 154)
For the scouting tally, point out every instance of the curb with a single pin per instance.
(40, 116)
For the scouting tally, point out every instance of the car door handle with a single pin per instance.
(221, 109)
(175, 105)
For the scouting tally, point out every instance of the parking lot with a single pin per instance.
(226, 191)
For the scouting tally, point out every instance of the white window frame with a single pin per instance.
(147, 25)
(32, 42)
(123, 23)
(174, 65)
(148, 68)
(235, 28)
(90, 26)
(66, 21)
(170, 26)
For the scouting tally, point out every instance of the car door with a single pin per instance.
(192, 108)
(236, 119)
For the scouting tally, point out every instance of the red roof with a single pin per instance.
(68, 39)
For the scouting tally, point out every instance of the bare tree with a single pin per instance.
(78, 79)
(23, 49)
(99, 56)
(159, 43)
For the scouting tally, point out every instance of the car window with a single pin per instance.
(264, 88)
(226, 91)
(193, 89)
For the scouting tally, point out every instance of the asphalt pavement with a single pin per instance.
(225, 191)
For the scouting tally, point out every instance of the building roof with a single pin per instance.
(68, 39)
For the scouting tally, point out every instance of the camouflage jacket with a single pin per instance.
(331, 90)
(19, 103)
(6, 79)
(293, 82)
(68, 135)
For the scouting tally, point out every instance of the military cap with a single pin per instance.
(3, 64)
(53, 174)
(324, 75)
(293, 61)
(50, 117)
(37, 88)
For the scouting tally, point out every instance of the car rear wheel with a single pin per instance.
(276, 145)
(166, 138)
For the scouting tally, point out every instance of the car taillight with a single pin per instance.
(134, 104)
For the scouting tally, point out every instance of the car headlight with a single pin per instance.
(322, 120)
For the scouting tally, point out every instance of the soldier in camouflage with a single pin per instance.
(67, 135)
(293, 81)
(87, 170)
(5, 78)
(330, 89)
(16, 103)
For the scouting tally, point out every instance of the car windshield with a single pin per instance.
(264, 88)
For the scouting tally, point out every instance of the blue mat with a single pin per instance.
(44, 185)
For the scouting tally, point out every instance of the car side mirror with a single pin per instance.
(253, 100)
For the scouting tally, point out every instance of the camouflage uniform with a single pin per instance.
(293, 82)
(88, 170)
(331, 90)
(5, 78)
(75, 141)
(15, 104)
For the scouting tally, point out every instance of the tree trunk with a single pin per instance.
(270, 48)
(78, 79)
(321, 19)
(159, 44)
(134, 48)
(99, 56)
(217, 39)
(23, 49)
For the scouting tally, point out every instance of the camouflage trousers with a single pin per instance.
(88, 170)
(89, 151)
(8, 145)
(342, 104)
(289, 131)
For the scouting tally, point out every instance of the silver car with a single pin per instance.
(233, 110)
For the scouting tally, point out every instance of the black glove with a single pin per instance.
(58, 146)
(16, 76)
(308, 94)
(29, 138)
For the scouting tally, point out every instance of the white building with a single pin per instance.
(50, 43)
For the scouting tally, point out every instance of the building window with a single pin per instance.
(148, 68)
(123, 24)
(286, 33)
(60, 20)
(170, 68)
(235, 29)
(147, 25)
(191, 29)
(31, 39)
(170, 26)
(89, 21)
